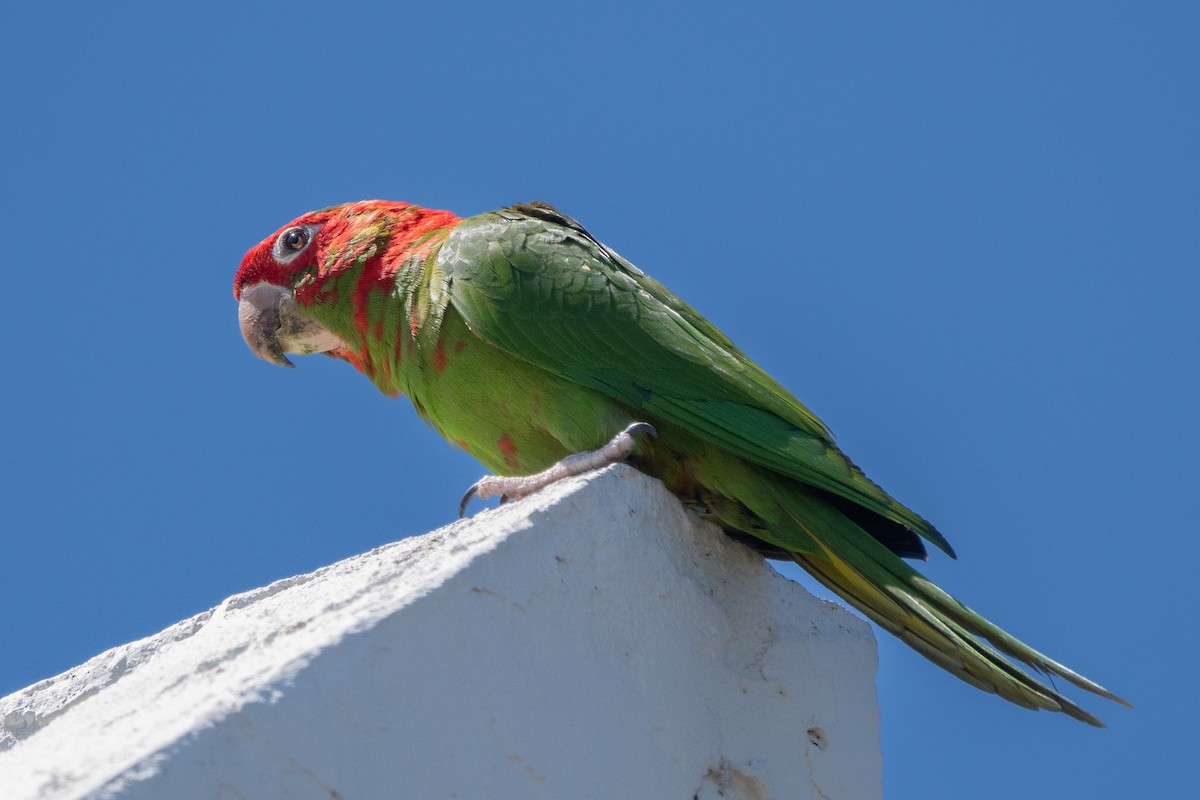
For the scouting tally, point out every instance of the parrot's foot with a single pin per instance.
(514, 488)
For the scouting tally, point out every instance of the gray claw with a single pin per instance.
(642, 427)
(466, 499)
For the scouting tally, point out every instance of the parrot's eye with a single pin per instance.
(293, 242)
(295, 239)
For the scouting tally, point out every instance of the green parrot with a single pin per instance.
(541, 352)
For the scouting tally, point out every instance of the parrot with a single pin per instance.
(542, 353)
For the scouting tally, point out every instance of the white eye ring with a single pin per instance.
(292, 242)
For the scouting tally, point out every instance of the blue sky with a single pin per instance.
(968, 238)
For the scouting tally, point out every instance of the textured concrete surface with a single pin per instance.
(593, 641)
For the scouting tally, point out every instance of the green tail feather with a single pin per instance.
(907, 604)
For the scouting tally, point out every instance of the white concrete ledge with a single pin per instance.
(593, 641)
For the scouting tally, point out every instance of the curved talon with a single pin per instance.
(466, 499)
(642, 427)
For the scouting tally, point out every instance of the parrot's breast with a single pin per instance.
(512, 416)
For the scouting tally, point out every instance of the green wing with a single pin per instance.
(533, 282)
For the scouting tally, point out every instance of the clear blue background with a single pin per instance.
(967, 237)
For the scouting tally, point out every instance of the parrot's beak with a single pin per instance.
(272, 325)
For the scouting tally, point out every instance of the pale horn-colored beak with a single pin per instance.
(272, 325)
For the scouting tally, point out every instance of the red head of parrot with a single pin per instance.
(334, 256)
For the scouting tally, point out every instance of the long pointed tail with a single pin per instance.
(909, 605)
